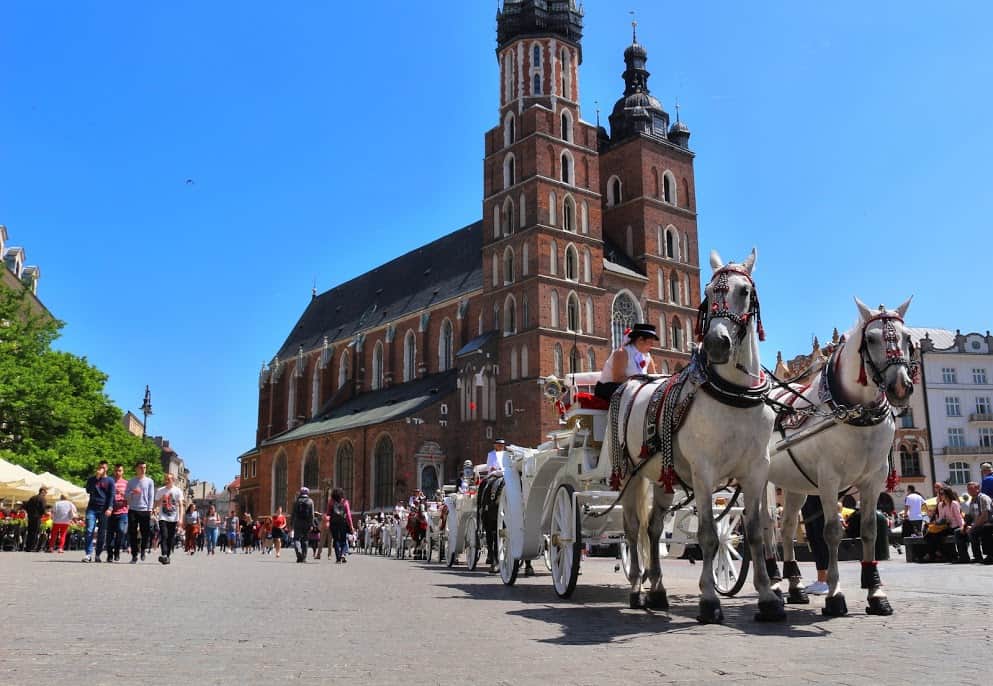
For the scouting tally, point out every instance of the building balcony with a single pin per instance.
(981, 418)
(968, 450)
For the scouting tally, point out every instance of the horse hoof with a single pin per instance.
(879, 606)
(710, 612)
(770, 611)
(528, 570)
(797, 596)
(835, 606)
(779, 592)
(636, 601)
(657, 600)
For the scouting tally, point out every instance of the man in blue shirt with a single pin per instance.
(102, 490)
(987, 471)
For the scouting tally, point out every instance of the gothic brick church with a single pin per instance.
(389, 381)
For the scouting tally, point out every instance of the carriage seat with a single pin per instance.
(588, 401)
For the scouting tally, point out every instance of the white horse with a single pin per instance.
(839, 436)
(724, 435)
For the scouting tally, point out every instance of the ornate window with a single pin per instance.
(409, 356)
(575, 361)
(952, 407)
(382, 491)
(623, 316)
(566, 168)
(524, 313)
(509, 130)
(956, 437)
(376, 382)
(569, 214)
(315, 391)
(508, 266)
(571, 263)
(510, 315)
(669, 188)
(674, 288)
(553, 305)
(343, 368)
(513, 364)
(508, 217)
(509, 171)
(614, 192)
(291, 400)
(445, 346)
(553, 258)
(566, 120)
(677, 334)
(344, 468)
(589, 316)
(573, 319)
(910, 461)
(525, 270)
(279, 482)
(536, 85)
(557, 360)
(591, 360)
(587, 266)
(536, 56)
(524, 361)
(671, 241)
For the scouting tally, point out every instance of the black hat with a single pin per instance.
(642, 331)
(500, 441)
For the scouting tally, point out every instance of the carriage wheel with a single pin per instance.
(625, 558)
(565, 542)
(507, 564)
(471, 543)
(733, 555)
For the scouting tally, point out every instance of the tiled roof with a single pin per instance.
(376, 407)
(438, 271)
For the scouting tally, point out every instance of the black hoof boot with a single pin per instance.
(778, 591)
(636, 601)
(657, 600)
(710, 612)
(528, 569)
(879, 606)
(797, 596)
(770, 611)
(835, 606)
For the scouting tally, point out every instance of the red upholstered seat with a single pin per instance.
(588, 401)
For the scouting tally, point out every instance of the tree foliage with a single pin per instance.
(54, 413)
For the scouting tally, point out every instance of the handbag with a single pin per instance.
(937, 528)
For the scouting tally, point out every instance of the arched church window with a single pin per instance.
(623, 316)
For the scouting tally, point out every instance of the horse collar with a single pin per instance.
(854, 415)
(726, 392)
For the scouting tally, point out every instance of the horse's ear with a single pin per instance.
(749, 263)
(715, 260)
(865, 314)
(902, 310)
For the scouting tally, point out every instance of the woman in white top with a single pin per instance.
(631, 359)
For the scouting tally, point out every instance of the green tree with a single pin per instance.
(54, 413)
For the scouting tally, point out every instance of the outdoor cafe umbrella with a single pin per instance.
(16, 482)
(57, 486)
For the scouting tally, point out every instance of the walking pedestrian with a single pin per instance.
(913, 515)
(247, 533)
(191, 528)
(339, 515)
(117, 525)
(35, 508)
(169, 503)
(62, 515)
(101, 489)
(212, 523)
(303, 519)
(279, 529)
(141, 497)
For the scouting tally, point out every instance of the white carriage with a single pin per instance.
(559, 495)
(463, 523)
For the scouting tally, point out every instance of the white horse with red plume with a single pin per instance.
(836, 433)
(663, 430)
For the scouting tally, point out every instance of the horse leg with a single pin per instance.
(632, 532)
(834, 604)
(710, 604)
(656, 598)
(757, 520)
(878, 603)
(791, 570)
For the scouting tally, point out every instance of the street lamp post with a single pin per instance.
(146, 409)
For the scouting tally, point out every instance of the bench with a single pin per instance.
(915, 548)
(848, 549)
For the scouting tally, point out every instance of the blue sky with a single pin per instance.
(850, 142)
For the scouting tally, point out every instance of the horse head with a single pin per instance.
(730, 303)
(886, 352)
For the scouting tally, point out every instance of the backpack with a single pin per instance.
(301, 510)
(338, 514)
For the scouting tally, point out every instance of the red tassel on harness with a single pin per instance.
(668, 478)
(863, 381)
(892, 480)
(615, 481)
(645, 452)
(761, 331)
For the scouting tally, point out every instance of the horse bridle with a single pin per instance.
(718, 310)
(894, 353)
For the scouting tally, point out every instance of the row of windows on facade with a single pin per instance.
(343, 475)
(950, 375)
(956, 437)
(984, 407)
(674, 335)
(664, 190)
(513, 67)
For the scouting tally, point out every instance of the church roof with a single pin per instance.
(433, 273)
(375, 407)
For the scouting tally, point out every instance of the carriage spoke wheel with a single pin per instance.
(565, 542)
(733, 556)
(471, 543)
(508, 565)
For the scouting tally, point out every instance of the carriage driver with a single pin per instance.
(631, 359)
(494, 459)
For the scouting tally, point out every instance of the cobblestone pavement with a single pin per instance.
(252, 619)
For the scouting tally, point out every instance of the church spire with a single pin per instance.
(525, 18)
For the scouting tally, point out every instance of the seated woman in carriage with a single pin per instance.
(631, 359)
